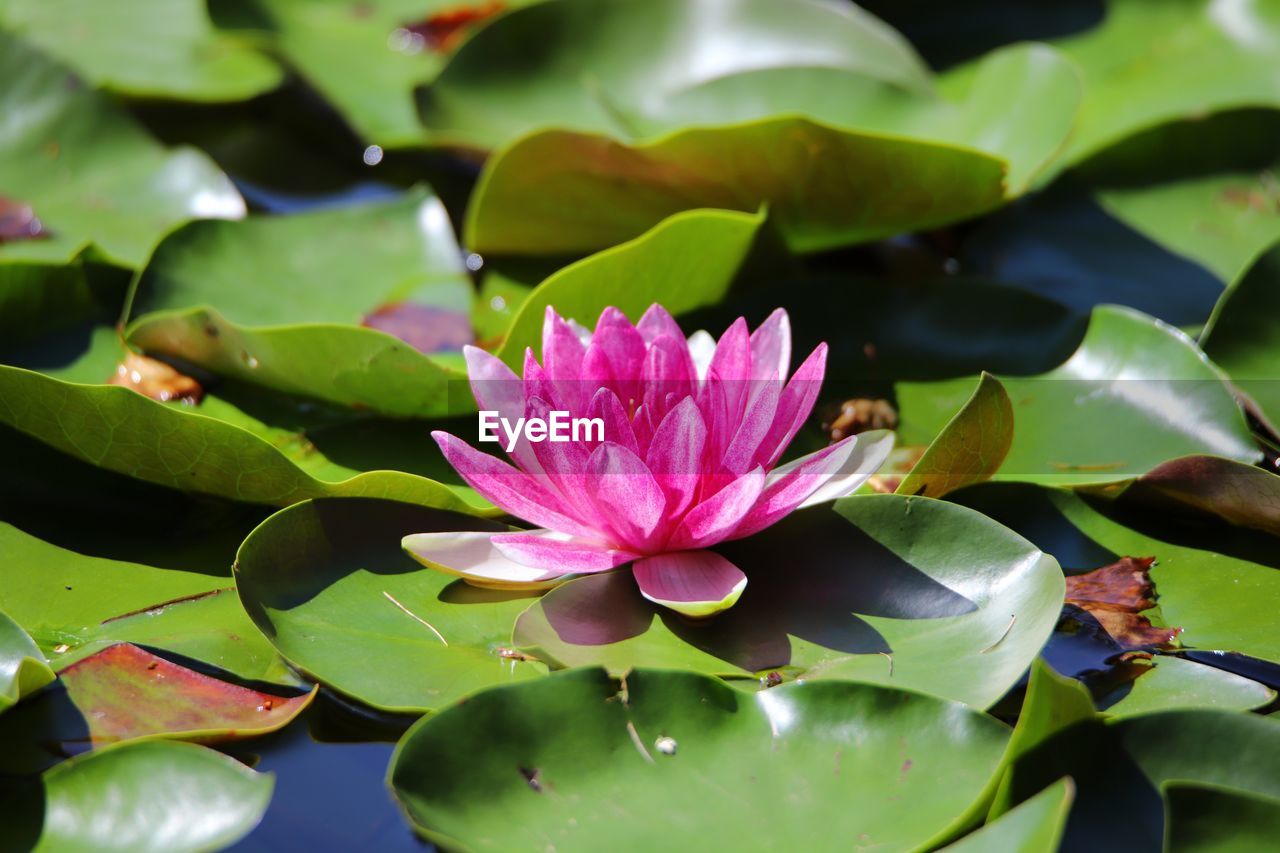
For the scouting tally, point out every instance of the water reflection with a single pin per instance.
(330, 794)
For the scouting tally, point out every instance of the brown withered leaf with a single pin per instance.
(1115, 596)
(19, 222)
(1123, 585)
(422, 327)
(156, 380)
(445, 30)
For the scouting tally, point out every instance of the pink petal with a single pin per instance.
(790, 487)
(794, 406)
(546, 549)
(873, 449)
(564, 467)
(615, 356)
(562, 353)
(695, 583)
(716, 517)
(656, 322)
(473, 557)
(507, 488)
(731, 364)
(675, 455)
(617, 428)
(756, 424)
(497, 389)
(627, 496)
(771, 347)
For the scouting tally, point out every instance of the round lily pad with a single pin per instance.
(579, 761)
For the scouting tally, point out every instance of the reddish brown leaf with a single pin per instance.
(1122, 585)
(422, 327)
(444, 31)
(125, 692)
(1115, 595)
(1135, 631)
(156, 380)
(19, 222)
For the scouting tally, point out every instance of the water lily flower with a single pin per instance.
(693, 431)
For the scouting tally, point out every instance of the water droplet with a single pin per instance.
(61, 648)
(372, 155)
(405, 40)
(666, 745)
(474, 262)
(497, 303)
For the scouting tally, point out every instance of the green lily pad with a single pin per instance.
(874, 602)
(1202, 818)
(134, 797)
(176, 598)
(330, 586)
(1173, 682)
(895, 156)
(1031, 827)
(1215, 582)
(549, 762)
(1119, 768)
(535, 197)
(23, 668)
(970, 447)
(89, 172)
(1220, 221)
(270, 301)
(121, 430)
(366, 60)
(1142, 67)
(1154, 390)
(623, 69)
(185, 59)
(1243, 336)
(685, 262)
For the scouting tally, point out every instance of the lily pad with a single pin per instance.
(536, 197)
(1240, 494)
(685, 262)
(120, 430)
(1173, 682)
(75, 603)
(1119, 768)
(1031, 827)
(617, 68)
(548, 762)
(89, 172)
(366, 58)
(1201, 818)
(186, 58)
(23, 668)
(127, 693)
(1215, 582)
(134, 797)
(1154, 389)
(1221, 221)
(330, 586)
(1142, 67)
(1243, 336)
(270, 301)
(872, 602)
(970, 448)
(739, 140)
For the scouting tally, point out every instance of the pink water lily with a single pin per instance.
(693, 430)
